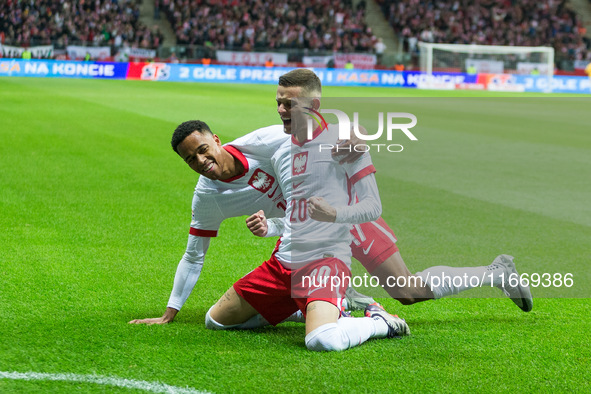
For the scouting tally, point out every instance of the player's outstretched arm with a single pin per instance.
(369, 206)
(167, 318)
(187, 275)
(367, 209)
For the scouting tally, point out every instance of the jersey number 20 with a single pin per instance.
(299, 210)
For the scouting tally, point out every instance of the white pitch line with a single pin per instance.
(154, 387)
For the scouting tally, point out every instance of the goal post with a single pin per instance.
(493, 59)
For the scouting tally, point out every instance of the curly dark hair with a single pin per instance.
(185, 129)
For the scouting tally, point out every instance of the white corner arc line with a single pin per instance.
(154, 387)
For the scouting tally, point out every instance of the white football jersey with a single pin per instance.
(308, 170)
(257, 188)
(214, 201)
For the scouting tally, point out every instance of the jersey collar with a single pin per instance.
(240, 156)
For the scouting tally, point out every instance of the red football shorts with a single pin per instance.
(373, 243)
(277, 292)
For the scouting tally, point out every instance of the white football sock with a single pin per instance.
(445, 281)
(346, 333)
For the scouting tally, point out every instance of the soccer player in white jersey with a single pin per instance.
(309, 270)
(236, 178)
(374, 243)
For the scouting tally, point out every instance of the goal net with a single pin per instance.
(492, 59)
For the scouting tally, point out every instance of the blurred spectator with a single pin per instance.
(26, 54)
(379, 48)
(156, 9)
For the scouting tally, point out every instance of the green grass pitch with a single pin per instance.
(95, 209)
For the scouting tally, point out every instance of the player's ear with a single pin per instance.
(216, 139)
(316, 104)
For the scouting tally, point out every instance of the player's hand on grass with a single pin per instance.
(167, 318)
(320, 210)
(150, 321)
(257, 224)
(344, 150)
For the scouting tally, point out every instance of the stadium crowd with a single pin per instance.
(64, 22)
(489, 22)
(284, 24)
(315, 25)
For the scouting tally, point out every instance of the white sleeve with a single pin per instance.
(275, 227)
(368, 208)
(188, 271)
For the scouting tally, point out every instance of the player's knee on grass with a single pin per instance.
(212, 324)
(326, 338)
(256, 321)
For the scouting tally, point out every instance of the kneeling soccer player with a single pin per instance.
(308, 271)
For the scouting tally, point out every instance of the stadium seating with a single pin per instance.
(493, 22)
(315, 25)
(286, 24)
(96, 22)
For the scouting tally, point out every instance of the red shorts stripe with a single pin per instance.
(203, 233)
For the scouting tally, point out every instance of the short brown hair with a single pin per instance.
(303, 78)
